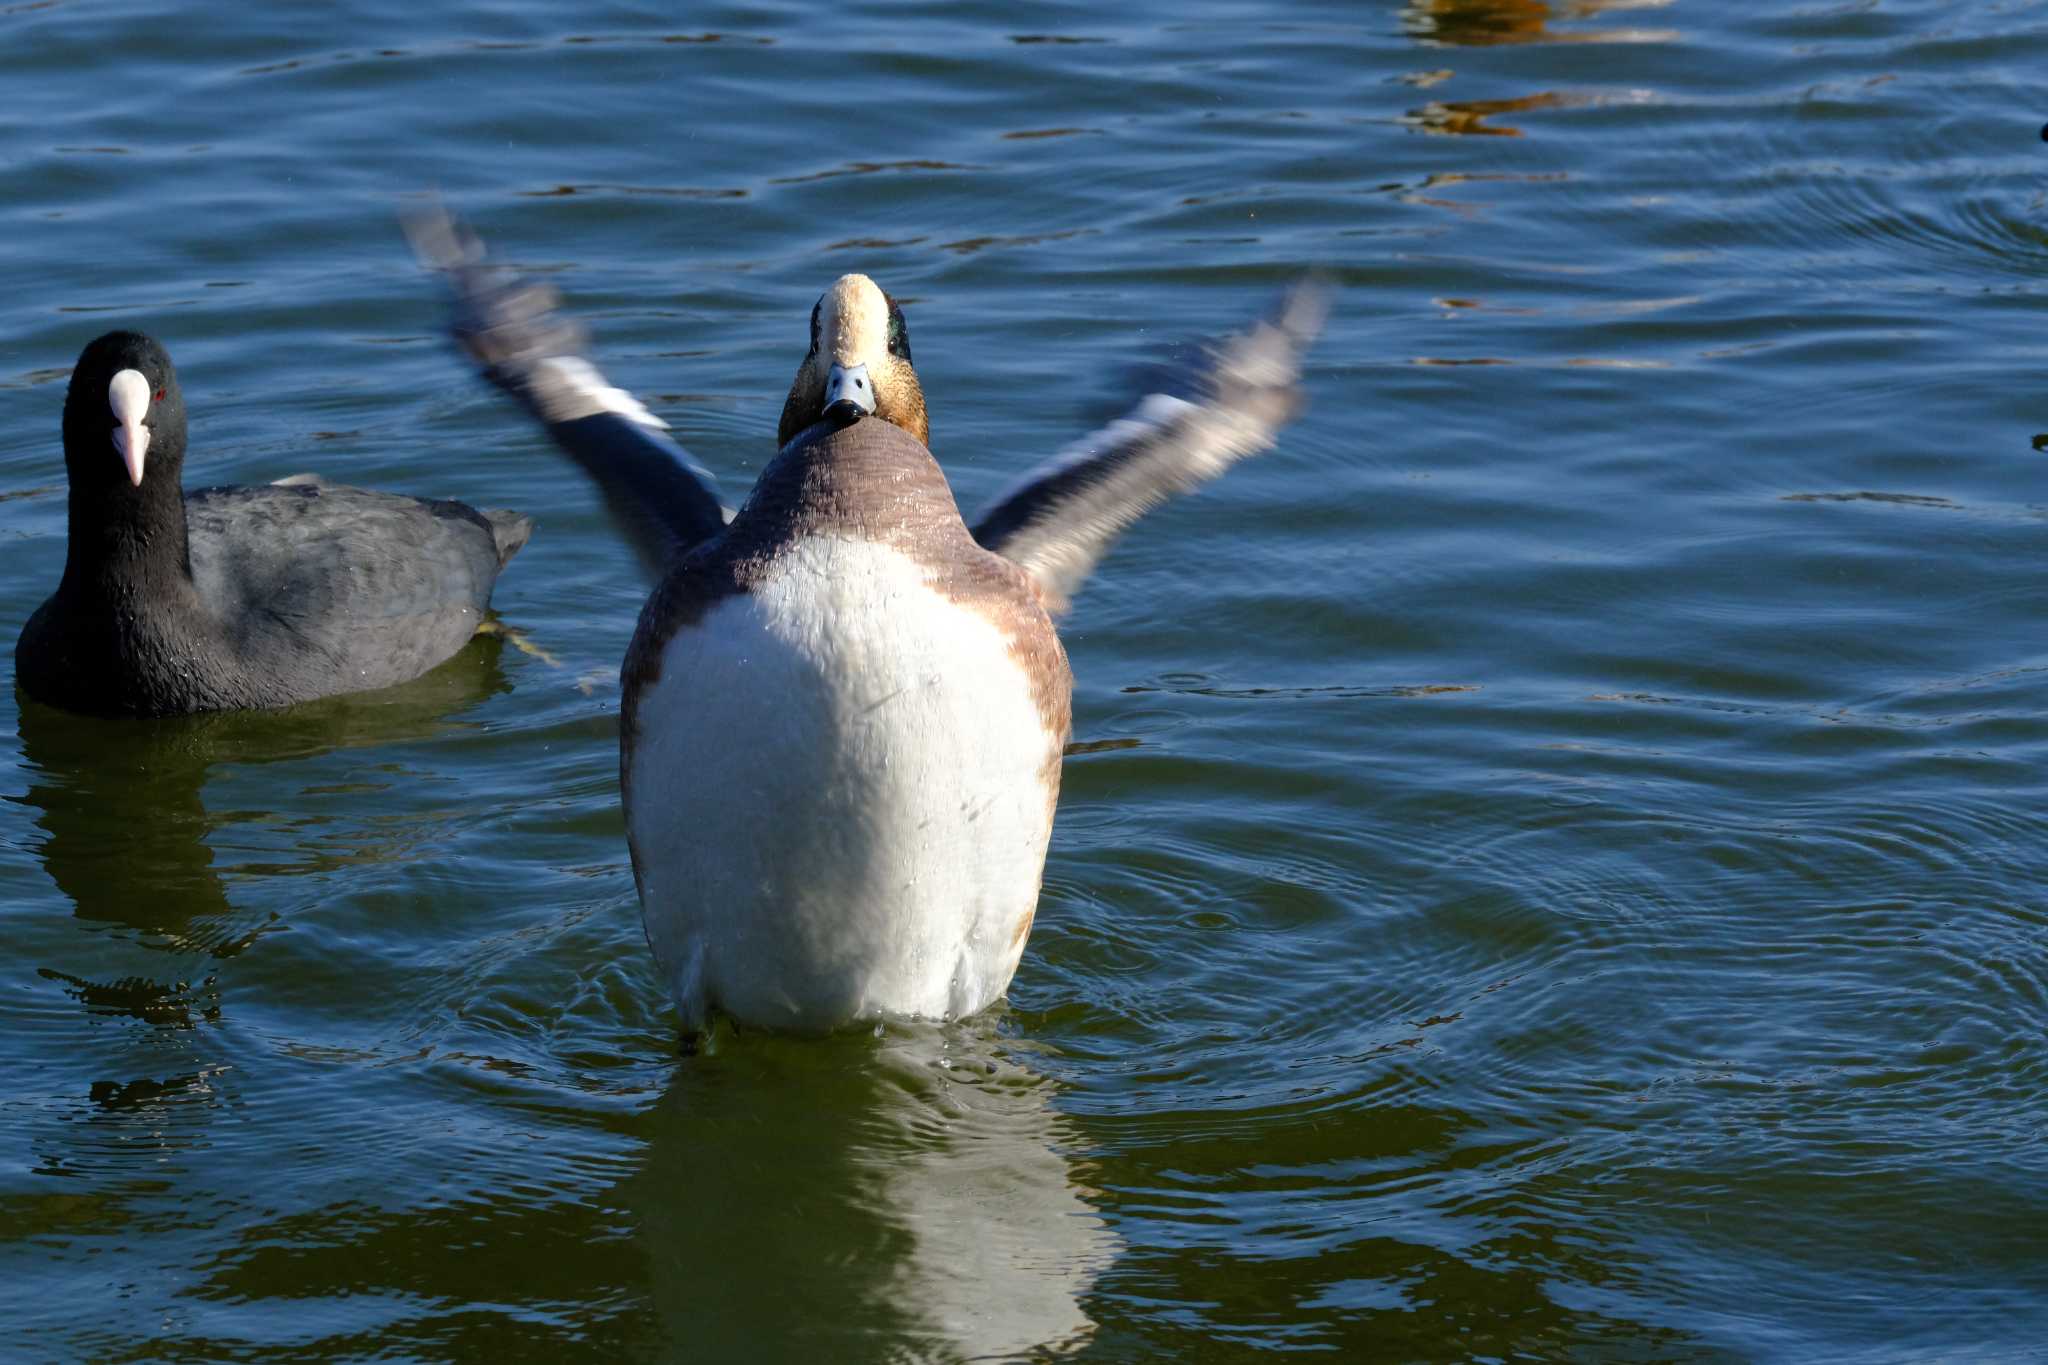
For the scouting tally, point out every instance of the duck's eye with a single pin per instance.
(899, 336)
(814, 325)
(159, 396)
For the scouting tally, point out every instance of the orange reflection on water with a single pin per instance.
(1425, 192)
(1469, 117)
(1489, 23)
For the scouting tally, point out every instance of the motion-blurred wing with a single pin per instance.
(1061, 517)
(513, 330)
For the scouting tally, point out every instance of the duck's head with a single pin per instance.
(858, 364)
(124, 418)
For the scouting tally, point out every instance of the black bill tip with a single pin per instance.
(843, 413)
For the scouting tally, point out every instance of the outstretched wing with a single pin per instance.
(1061, 517)
(512, 328)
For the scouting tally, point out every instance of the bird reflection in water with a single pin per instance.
(1468, 117)
(930, 1158)
(1495, 23)
(126, 830)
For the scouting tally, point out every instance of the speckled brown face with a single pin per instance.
(858, 364)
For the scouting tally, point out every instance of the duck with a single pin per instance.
(844, 709)
(236, 598)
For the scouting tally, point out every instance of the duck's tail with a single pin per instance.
(510, 530)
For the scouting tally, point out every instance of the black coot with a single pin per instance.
(237, 597)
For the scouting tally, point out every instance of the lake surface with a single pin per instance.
(1554, 866)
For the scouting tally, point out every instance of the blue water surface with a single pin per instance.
(1553, 863)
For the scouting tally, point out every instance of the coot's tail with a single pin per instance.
(509, 530)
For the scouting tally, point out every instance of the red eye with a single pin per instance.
(159, 396)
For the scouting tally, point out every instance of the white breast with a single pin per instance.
(838, 799)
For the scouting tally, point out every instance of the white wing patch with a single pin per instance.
(567, 387)
(1157, 412)
(1057, 521)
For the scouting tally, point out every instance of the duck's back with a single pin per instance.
(842, 753)
(320, 588)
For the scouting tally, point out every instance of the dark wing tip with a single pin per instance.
(1267, 356)
(511, 327)
(1304, 306)
(515, 332)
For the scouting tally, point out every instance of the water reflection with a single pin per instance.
(119, 801)
(930, 1162)
(1468, 117)
(907, 1197)
(1490, 23)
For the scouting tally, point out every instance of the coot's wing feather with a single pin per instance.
(514, 331)
(1060, 518)
(339, 589)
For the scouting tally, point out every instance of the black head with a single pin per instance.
(124, 420)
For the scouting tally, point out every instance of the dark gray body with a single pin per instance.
(293, 592)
